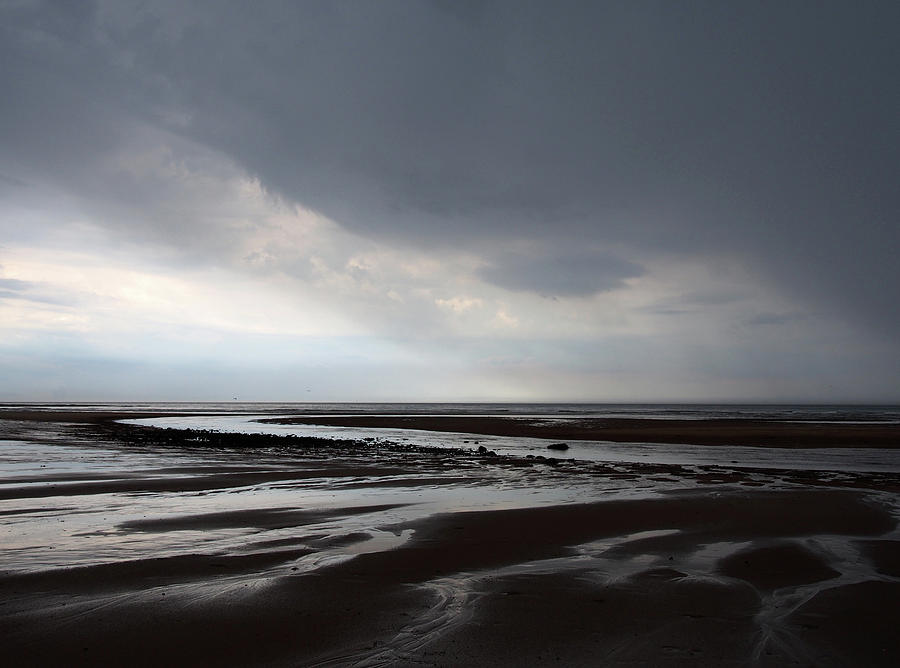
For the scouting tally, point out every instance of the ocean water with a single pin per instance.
(790, 412)
(818, 459)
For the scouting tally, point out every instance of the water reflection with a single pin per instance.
(829, 459)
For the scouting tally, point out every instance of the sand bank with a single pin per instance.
(696, 432)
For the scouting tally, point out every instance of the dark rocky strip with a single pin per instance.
(135, 435)
(205, 438)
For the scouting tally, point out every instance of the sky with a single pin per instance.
(449, 201)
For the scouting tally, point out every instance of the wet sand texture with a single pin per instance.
(462, 574)
(697, 432)
(774, 566)
(726, 576)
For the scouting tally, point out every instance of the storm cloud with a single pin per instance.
(576, 275)
(564, 148)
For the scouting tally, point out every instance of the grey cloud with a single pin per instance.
(573, 275)
(11, 181)
(39, 299)
(773, 318)
(668, 310)
(15, 284)
(13, 288)
(713, 298)
(694, 302)
(766, 131)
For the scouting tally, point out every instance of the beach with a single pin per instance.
(126, 544)
(770, 434)
(489, 333)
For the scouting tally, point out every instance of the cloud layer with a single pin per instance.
(541, 176)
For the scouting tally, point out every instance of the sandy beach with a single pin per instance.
(124, 547)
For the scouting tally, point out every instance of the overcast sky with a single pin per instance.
(450, 200)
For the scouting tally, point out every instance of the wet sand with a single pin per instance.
(697, 432)
(381, 557)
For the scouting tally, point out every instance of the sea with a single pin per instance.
(859, 413)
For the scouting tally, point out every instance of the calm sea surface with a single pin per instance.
(816, 413)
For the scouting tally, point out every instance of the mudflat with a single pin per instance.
(762, 433)
(132, 551)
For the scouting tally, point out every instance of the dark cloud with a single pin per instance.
(695, 302)
(773, 318)
(767, 132)
(572, 275)
(10, 181)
